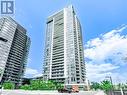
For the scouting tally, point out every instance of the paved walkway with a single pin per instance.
(23, 92)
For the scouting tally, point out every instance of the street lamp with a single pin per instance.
(121, 89)
(110, 78)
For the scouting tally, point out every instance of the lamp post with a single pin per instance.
(87, 84)
(110, 78)
(121, 89)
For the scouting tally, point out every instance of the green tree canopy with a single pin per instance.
(8, 85)
(42, 85)
(25, 87)
(95, 85)
(106, 85)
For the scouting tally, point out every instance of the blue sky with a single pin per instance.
(97, 17)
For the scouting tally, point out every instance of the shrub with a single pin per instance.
(8, 85)
(25, 87)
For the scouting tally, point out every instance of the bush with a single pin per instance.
(95, 85)
(8, 85)
(25, 87)
(42, 85)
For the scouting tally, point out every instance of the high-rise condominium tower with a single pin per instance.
(14, 47)
(63, 59)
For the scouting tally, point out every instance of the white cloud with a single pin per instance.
(105, 54)
(92, 68)
(98, 72)
(38, 75)
(31, 72)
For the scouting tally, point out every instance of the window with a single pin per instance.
(2, 39)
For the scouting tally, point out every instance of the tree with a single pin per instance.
(34, 84)
(42, 85)
(50, 85)
(58, 85)
(119, 86)
(95, 85)
(106, 86)
(8, 85)
(25, 87)
(126, 86)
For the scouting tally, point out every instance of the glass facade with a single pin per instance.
(64, 60)
(14, 50)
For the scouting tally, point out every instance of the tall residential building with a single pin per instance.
(14, 48)
(64, 58)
